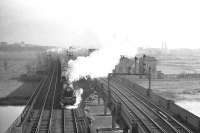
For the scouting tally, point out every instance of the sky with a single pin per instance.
(95, 22)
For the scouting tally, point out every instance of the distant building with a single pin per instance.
(137, 65)
(150, 62)
(125, 65)
(154, 51)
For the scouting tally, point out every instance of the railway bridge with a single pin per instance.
(139, 110)
(43, 113)
(134, 108)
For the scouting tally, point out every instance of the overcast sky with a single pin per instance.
(93, 22)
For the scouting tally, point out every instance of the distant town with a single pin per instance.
(21, 46)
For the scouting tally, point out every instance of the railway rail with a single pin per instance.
(44, 105)
(82, 123)
(148, 117)
(47, 109)
(43, 113)
(165, 115)
(27, 112)
(143, 123)
(69, 121)
(37, 114)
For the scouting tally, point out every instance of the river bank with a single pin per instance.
(20, 95)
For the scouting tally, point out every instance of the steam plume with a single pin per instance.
(102, 61)
(78, 94)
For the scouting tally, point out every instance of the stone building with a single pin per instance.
(137, 65)
(124, 66)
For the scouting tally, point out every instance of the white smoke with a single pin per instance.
(102, 61)
(78, 94)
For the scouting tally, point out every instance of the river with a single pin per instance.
(192, 106)
(8, 114)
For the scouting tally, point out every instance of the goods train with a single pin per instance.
(67, 94)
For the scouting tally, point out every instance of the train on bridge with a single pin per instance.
(67, 94)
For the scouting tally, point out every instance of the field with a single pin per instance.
(12, 65)
(173, 89)
(177, 63)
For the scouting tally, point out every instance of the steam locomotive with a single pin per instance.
(67, 94)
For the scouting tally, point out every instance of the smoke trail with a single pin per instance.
(101, 62)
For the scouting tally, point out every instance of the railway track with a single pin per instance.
(147, 118)
(69, 121)
(82, 123)
(143, 123)
(32, 109)
(29, 105)
(180, 127)
(27, 113)
(45, 105)
(43, 113)
(36, 117)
